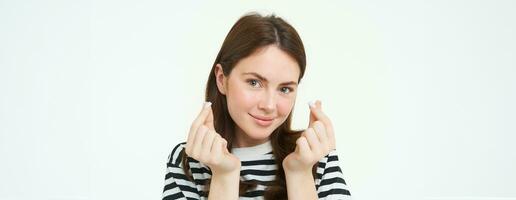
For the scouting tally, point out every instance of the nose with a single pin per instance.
(267, 102)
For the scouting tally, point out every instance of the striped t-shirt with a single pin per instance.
(258, 165)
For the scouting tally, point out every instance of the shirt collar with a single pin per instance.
(245, 152)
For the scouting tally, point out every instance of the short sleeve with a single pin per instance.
(177, 186)
(332, 184)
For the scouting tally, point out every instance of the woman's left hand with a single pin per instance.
(314, 143)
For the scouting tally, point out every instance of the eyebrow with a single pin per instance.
(264, 79)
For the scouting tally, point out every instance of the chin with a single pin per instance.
(259, 135)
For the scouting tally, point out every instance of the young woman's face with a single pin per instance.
(260, 92)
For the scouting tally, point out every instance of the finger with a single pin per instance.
(207, 142)
(195, 125)
(296, 150)
(197, 143)
(316, 110)
(199, 120)
(302, 146)
(209, 119)
(312, 116)
(318, 104)
(225, 145)
(329, 131)
(313, 141)
(321, 134)
(331, 139)
(216, 148)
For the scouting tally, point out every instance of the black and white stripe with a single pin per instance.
(261, 168)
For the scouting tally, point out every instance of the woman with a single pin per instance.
(241, 144)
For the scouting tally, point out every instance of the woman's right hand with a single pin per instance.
(208, 147)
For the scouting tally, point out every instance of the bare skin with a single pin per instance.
(315, 143)
(261, 89)
(208, 147)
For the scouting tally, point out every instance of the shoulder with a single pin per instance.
(175, 155)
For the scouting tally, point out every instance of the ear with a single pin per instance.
(220, 79)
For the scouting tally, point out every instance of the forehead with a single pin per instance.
(272, 63)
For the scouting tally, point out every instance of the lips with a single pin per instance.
(262, 121)
(262, 118)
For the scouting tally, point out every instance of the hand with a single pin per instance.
(207, 146)
(313, 144)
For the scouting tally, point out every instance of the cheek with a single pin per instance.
(284, 106)
(241, 98)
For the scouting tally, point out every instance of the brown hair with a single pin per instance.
(250, 33)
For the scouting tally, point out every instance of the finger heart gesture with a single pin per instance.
(205, 145)
(314, 143)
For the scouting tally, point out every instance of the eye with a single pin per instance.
(253, 82)
(286, 90)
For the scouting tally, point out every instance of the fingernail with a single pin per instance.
(311, 104)
(207, 104)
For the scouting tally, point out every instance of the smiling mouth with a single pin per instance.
(262, 121)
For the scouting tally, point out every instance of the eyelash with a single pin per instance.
(257, 81)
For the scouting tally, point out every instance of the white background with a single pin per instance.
(94, 94)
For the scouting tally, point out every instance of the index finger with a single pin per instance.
(328, 126)
(319, 114)
(209, 120)
(199, 120)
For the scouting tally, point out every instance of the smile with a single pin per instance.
(262, 121)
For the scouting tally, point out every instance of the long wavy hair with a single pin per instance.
(250, 33)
